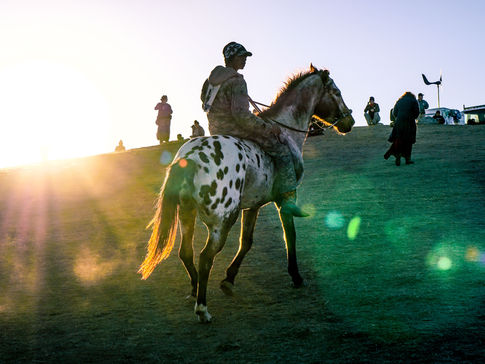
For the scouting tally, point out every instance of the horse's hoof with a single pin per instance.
(299, 283)
(227, 288)
(202, 313)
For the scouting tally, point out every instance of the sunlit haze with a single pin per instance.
(78, 76)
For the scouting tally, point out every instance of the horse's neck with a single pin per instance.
(298, 113)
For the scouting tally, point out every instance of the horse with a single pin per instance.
(218, 176)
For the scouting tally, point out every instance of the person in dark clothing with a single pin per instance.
(371, 112)
(163, 119)
(403, 134)
(438, 117)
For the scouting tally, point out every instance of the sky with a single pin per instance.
(78, 76)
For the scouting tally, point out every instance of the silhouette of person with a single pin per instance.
(403, 134)
(371, 112)
(197, 130)
(163, 119)
(120, 147)
(180, 138)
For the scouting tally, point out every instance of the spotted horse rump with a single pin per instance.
(218, 176)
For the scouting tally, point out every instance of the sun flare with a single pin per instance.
(57, 112)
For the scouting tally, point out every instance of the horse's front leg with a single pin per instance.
(248, 223)
(290, 240)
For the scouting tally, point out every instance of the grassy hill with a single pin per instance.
(393, 258)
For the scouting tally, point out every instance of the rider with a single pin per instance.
(225, 99)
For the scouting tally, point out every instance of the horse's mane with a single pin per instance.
(290, 84)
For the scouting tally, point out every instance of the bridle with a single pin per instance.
(325, 88)
(324, 127)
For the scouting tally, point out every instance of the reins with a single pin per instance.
(256, 107)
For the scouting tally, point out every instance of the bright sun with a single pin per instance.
(50, 111)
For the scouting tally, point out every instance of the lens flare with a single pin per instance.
(309, 209)
(444, 263)
(166, 157)
(472, 254)
(91, 269)
(447, 256)
(334, 220)
(183, 163)
(353, 228)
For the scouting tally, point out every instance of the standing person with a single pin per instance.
(371, 112)
(403, 134)
(225, 100)
(423, 105)
(120, 147)
(163, 119)
(197, 130)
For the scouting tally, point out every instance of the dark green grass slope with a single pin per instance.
(408, 285)
(415, 265)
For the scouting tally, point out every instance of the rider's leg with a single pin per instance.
(284, 188)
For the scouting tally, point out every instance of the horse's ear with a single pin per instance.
(325, 75)
(312, 68)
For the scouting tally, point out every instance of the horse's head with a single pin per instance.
(331, 108)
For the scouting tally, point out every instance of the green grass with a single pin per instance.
(407, 286)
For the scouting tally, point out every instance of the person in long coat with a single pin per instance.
(403, 134)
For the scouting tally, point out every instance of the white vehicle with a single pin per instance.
(451, 116)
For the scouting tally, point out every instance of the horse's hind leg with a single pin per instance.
(186, 251)
(248, 223)
(215, 243)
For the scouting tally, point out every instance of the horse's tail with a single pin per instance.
(164, 223)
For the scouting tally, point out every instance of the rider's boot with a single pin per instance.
(286, 202)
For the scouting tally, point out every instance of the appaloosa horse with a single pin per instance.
(218, 176)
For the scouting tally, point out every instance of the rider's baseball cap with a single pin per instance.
(235, 49)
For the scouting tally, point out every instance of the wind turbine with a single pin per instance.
(437, 83)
